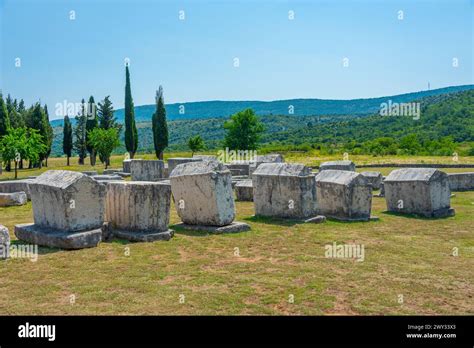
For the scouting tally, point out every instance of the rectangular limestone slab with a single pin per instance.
(151, 236)
(234, 227)
(48, 237)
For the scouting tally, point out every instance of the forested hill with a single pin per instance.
(300, 107)
(447, 115)
(444, 120)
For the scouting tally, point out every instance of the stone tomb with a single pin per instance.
(338, 165)
(244, 190)
(13, 199)
(139, 211)
(269, 158)
(374, 179)
(461, 181)
(173, 162)
(344, 195)
(68, 211)
(202, 194)
(126, 166)
(284, 190)
(4, 242)
(147, 170)
(11, 186)
(420, 191)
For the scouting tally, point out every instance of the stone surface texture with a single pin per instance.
(244, 190)
(147, 170)
(202, 193)
(374, 178)
(13, 199)
(338, 165)
(138, 207)
(284, 190)
(461, 181)
(344, 195)
(421, 191)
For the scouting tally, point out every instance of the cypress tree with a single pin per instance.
(131, 135)
(159, 125)
(50, 134)
(67, 138)
(80, 144)
(92, 123)
(37, 120)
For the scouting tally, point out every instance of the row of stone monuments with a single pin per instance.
(73, 210)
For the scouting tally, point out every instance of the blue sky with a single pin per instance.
(63, 59)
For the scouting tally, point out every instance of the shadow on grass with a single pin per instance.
(191, 233)
(415, 216)
(274, 221)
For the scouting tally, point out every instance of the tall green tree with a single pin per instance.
(196, 144)
(104, 141)
(38, 121)
(92, 123)
(80, 143)
(106, 114)
(67, 138)
(159, 125)
(243, 131)
(131, 134)
(50, 135)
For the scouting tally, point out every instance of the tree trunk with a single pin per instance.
(21, 164)
(46, 162)
(67, 161)
(160, 157)
(16, 170)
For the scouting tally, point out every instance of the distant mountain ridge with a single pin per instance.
(300, 107)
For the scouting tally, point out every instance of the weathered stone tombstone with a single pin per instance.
(139, 211)
(374, 179)
(461, 181)
(284, 190)
(239, 168)
(13, 199)
(269, 158)
(4, 242)
(126, 166)
(344, 195)
(112, 171)
(338, 165)
(173, 162)
(420, 191)
(11, 186)
(147, 170)
(107, 177)
(202, 193)
(244, 190)
(68, 211)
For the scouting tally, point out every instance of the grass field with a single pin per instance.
(279, 267)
